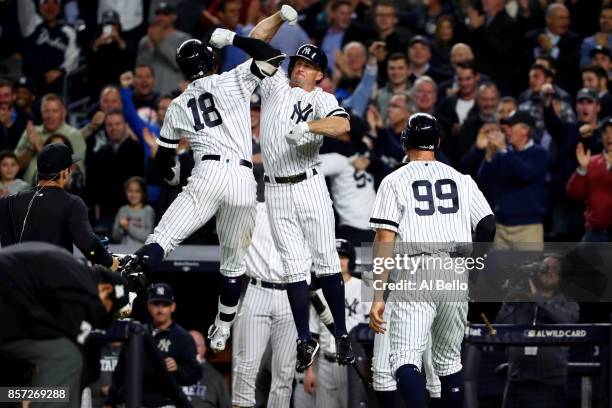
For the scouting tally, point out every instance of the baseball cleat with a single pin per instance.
(344, 350)
(218, 336)
(306, 352)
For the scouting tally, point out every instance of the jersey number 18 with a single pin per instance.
(207, 105)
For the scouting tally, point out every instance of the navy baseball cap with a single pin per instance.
(517, 117)
(600, 49)
(25, 82)
(165, 8)
(110, 16)
(420, 39)
(160, 292)
(54, 158)
(586, 93)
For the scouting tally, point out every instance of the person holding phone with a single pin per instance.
(108, 55)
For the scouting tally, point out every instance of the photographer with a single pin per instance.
(48, 213)
(49, 302)
(537, 374)
(175, 345)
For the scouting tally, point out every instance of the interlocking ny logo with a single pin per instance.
(302, 114)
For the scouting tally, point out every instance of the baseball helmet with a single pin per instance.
(312, 54)
(421, 132)
(347, 249)
(195, 59)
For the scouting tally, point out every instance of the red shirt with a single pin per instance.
(596, 189)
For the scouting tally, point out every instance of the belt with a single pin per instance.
(330, 357)
(290, 179)
(217, 157)
(268, 285)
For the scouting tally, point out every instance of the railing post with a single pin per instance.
(134, 365)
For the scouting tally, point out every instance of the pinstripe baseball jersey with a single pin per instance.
(352, 190)
(214, 114)
(428, 201)
(282, 107)
(355, 311)
(262, 259)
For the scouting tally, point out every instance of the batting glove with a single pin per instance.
(221, 37)
(176, 175)
(295, 134)
(289, 14)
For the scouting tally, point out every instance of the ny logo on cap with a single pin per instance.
(160, 291)
(306, 50)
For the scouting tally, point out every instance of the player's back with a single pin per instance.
(214, 114)
(436, 203)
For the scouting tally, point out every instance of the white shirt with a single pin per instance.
(130, 12)
(463, 108)
(352, 190)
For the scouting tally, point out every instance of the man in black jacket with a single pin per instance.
(493, 37)
(175, 345)
(49, 303)
(50, 214)
(538, 374)
(557, 42)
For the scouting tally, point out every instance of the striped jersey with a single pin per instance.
(214, 114)
(355, 312)
(262, 259)
(352, 190)
(428, 201)
(282, 107)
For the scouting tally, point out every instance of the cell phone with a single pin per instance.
(107, 29)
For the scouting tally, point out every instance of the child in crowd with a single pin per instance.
(9, 167)
(134, 221)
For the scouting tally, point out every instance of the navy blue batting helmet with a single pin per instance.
(310, 53)
(347, 249)
(421, 132)
(195, 59)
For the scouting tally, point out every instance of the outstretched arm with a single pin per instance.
(266, 59)
(267, 28)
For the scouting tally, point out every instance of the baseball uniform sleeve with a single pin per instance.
(479, 207)
(387, 213)
(332, 164)
(239, 82)
(273, 84)
(171, 131)
(327, 105)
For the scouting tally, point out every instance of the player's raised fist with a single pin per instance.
(296, 133)
(221, 38)
(289, 14)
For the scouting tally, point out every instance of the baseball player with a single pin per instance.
(331, 378)
(264, 315)
(213, 114)
(352, 190)
(383, 381)
(295, 116)
(426, 202)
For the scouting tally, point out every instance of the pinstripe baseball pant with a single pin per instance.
(382, 377)
(302, 223)
(264, 315)
(332, 385)
(439, 314)
(225, 189)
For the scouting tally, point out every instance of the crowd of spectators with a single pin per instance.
(520, 88)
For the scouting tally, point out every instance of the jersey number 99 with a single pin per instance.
(427, 196)
(207, 105)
